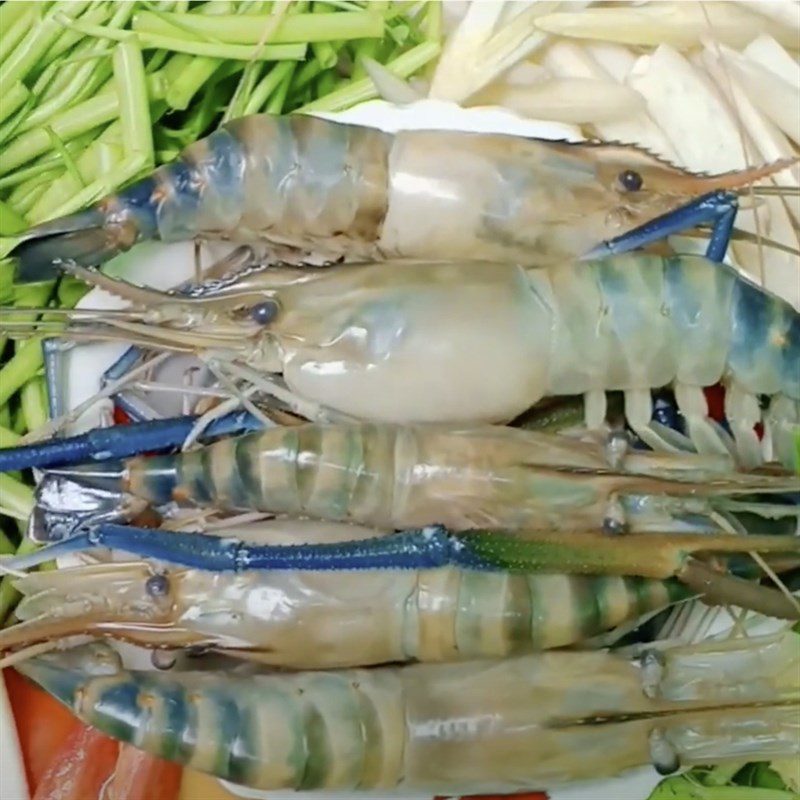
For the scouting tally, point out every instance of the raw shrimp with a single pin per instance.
(391, 477)
(312, 620)
(710, 564)
(303, 189)
(457, 342)
(519, 723)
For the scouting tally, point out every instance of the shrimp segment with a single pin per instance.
(519, 723)
(306, 189)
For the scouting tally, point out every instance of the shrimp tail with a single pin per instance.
(88, 238)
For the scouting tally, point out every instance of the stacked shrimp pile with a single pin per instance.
(456, 416)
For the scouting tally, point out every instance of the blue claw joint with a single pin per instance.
(718, 209)
(119, 441)
(425, 548)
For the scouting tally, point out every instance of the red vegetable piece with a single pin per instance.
(120, 416)
(715, 397)
(43, 724)
(140, 776)
(81, 767)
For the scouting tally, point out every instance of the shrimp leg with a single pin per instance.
(717, 208)
(103, 444)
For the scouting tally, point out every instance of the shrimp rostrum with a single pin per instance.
(483, 343)
(306, 189)
(480, 726)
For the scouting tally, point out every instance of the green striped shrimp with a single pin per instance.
(335, 601)
(323, 620)
(482, 343)
(479, 726)
(404, 476)
(299, 188)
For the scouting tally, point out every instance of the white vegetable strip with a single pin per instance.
(777, 98)
(679, 24)
(780, 268)
(615, 59)
(475, 55)
(689, 111)
(581, 100)
(388, 85)
(784, 12)
(703, 129)
(766, 51)
(567, 59)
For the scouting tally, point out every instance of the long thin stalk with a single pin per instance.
(34, 405)
(10, 221)
(7, 437)
(15, 496)
(12, 99)
(8, 594)
(267, 85)
(25, 362)
(35, 44)
(244, 30)
(132, 97)
(276, 52)
(100, 109)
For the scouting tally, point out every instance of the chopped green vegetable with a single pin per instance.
(236, 29)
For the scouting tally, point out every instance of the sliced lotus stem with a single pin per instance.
(764, 50)
(389, 86)
(576, 100)
(681, 24)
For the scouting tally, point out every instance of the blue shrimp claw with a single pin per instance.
(119, 441)
(717, 208)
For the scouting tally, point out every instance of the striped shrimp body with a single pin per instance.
(483, 345)
(480, 726)
(392, 477)
(312, 189)
(313, 620)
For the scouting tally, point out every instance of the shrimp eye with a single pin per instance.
(264, 312)
(157, 586)
(630, 180)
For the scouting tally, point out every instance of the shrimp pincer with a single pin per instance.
(507, 725)
(483, 343)
(313, 620)
(301, 189)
